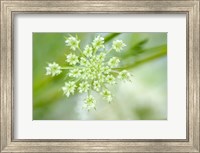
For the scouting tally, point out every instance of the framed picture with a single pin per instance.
(99, 76)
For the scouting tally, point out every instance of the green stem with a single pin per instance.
(77, 80)
(68, 67)
(95, 50)
(88, 93)
(109, 50)
(118, 68)
(114, 71)
(110, 37)
(145, 60)
(80, 49)
(81, 52)
(104, 86)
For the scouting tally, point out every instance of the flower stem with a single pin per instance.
(68, 67)
(109, 50)
(80, 49)
(77, 80)
(81, 52)
(95, 50)
(114, 71)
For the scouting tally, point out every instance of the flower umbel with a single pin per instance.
(72, 42)
(72, 59)
(53, 69)
(118, 45)
(124, 75)
(96, 85)
(107, 95)
(91, 70)
(89, 103)
(83, 87)
(88, 51)
(75, 73)
(98, 42)
(69, 88)
(113, 62)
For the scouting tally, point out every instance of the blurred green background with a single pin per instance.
(145, 56)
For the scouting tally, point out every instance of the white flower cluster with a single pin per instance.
(53, 69)
(91, 70)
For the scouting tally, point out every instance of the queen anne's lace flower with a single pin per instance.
(124, 75)
(75, 73)
(89, 103)
(118, 45)
(110, 79)
(83, 61)
(72, 42)
(90, 70)
(53, 69)
(107, 95)
(98, 42)
(72, 59)
(69, 88)
(88, 51)
(113, 62)
(83, 87)
(96, 85)
(101, 57)
(106, 70)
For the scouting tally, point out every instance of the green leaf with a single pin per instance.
(146, 56)
(111, 36)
